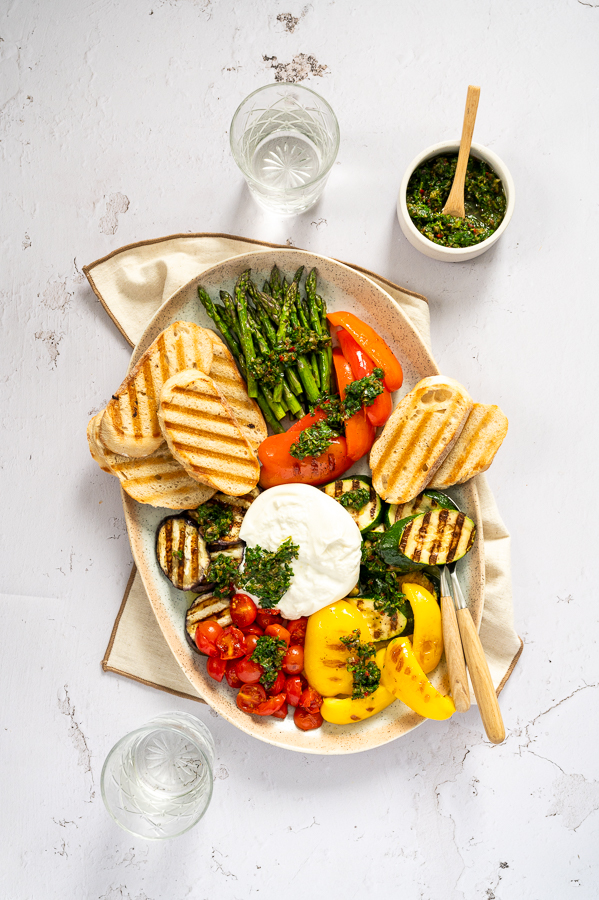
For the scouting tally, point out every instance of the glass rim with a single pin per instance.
(337, 135)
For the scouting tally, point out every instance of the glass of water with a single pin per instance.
(285, 138)
(157, 781)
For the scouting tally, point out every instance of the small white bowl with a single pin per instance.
(454, 254)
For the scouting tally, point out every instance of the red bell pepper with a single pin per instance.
(361, 365)
(373, 345)
(359, 431)
(280, 467)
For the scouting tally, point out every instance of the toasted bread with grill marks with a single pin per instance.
(96, 448)
(475, 449)
(157, 479)
(417, 437)
(229, 382)
(129, 426)
(203, 435)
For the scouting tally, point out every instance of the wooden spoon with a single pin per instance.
(455, 201)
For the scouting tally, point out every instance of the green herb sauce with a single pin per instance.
(366, 674)
(268, 574)
(484, 201)
(269, 653)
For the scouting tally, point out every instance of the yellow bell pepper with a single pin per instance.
(347, 711)
(427, 642)
(403, 677)
(325, 657)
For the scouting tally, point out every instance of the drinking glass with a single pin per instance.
(285, 138)
(157, 781)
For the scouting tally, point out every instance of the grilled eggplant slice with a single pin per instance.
(381, 625)
(181, 552)
(434, 538)
(370, 513)
(428, 499)
(206, 606)
(236, 507)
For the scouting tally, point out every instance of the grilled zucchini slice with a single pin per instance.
(428, 499)
(381, 625)
(370, 513)
(434, 538)
(181, 552)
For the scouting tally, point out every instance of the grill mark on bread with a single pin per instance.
(193, 452)
(415, 449)
(152, 401)
(236, 441)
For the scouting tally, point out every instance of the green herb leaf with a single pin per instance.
(178, 554)
(214, 519)
(268, 574)
(366, 674)
(269, 654)
(313, 441)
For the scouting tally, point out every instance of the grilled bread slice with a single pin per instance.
(96, 448)
(417, 437)
(229, 382)
(475, 449)
(157, 479)
(203, 435)
(130, 424)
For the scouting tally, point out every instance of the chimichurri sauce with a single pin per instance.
(484, 201)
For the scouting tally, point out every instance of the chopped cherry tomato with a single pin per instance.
(248, 671)
(373, 344)
(359, 431)
(361, 365)
(253, 629)
(295, 687)
(293, 661)
(250, 643)
(278, 685)
(277, 631)
(280, 467)
(269, 707)
(243, 610)
(206, 636)
(231, 643)
(297, 630)
(282, 712)
(310, 700)
(305, 720)
(266, 617)
(233, 679)
(216, 667)
(250, 697)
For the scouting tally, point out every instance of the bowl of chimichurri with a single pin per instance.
(489, 198)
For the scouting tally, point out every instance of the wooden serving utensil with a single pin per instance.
(455, 201)
(479, 670)
(454, 653)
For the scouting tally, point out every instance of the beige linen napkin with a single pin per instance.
(132, 283)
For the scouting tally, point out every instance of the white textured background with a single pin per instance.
(114, 128)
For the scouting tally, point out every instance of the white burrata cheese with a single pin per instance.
(329, 541)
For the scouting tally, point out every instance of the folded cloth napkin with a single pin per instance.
(132, 284)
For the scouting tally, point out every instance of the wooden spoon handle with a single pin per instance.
(481, 678)
(455, 201)
(454, 654)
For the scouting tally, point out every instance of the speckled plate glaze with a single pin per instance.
(343, 289)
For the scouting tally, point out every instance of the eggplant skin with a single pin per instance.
(181, 553)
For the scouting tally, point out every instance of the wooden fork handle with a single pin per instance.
(454, 654)
(481, 678)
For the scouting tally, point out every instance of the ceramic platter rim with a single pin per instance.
(343, 288)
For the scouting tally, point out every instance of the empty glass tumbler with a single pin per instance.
(285, 138)
(157, 781)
